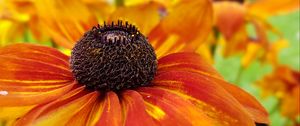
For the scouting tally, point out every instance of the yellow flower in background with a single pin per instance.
(64, 21)
(232, 18)
(284, 83)
(60, 21)
(12, 22)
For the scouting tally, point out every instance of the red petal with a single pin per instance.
(169, 109)
(186, 62)
(31, 98)
(60, 111)
(192, 62)
(206, 94)
(31, 74)
(134, 110)
(257, 112)
(82, 117)
(96, 112)
(37, 52)
(111, 114)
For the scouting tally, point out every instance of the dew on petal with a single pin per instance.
(3, 93)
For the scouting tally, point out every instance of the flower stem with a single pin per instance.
(119, 3)
(3, 123)
(26, 36)
(274, 108)
(239, 75)
(54, 45)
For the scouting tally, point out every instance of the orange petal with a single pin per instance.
(290, 106)
(186, 21)
(11, 98)
(12, 113)
(60, 111)
(266, 8)
(96, 112)
(229, 17)
(186, 62)
(31, 74)
(169, 109)
(36, 52)
(81, 118)
(206, 94)
(144, 11)
(134, 110)
(62, 21)
(111, 114)
(191, 62)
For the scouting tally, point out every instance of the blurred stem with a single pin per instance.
(54, 45)
(287, 122)
(275, 108)
(3, 123)
(239, 75)
(214, 47)
(26, 36)
(119, 3)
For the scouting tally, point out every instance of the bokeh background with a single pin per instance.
(266, 64)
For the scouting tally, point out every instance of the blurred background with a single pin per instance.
(252, 43)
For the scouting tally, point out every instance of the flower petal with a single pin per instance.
(11, 113)
(36, 52)
(111, 114)
(134, 109)
(229, 17)
(290, 106)
(81, 118)
(31, 74)
(206, 94)
(106, 111)
(169, 109)
(60, 111)
(186, 62)
(266, 8)
(22, 98)
(62, 21)
(191, 62)
(145, 11)
(171, 35)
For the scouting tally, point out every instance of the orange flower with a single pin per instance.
(285, 84)
(39, 82)
(232, 19)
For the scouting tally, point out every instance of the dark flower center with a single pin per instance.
(113, 57)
